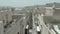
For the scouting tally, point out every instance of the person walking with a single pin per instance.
(18, 33)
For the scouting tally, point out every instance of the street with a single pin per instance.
(15, 28)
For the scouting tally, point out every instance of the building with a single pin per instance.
(5, 16)
(53, 9)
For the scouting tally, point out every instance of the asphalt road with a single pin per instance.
(15, 28)
(34, 30)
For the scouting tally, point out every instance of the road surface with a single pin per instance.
(15, 28)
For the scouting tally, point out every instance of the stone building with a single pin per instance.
(53, 9)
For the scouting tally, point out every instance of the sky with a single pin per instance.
(23, 3)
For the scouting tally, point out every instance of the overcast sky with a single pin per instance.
(23, 3)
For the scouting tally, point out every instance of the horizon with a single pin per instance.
(24, 3)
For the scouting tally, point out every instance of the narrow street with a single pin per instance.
(15, 28)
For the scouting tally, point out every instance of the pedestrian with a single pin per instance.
(26, 29)
(18, 33)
